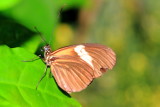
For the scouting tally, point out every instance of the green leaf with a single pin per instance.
(18, 82)
(5, 4)
(39, 13)
(32, 44)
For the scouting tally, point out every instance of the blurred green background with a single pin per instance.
(130, 27)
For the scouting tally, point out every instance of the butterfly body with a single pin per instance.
(74, 67)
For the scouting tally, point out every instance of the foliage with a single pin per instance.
(18, 79)
(18, 82)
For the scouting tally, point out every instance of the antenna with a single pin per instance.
(59, 13)
(40, 34)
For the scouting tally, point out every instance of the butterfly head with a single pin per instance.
(47, 49)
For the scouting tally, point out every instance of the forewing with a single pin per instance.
(71, 73)
(103, 57)
(99, 57)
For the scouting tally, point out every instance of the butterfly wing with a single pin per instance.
(71, 73)
(103, 57)
(99, 57)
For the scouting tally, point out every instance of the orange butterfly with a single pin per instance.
(74, 67)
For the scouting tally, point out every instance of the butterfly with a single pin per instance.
(75, 67)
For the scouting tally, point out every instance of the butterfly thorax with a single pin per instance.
(47, 56)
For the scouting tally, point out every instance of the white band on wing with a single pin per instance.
(80, 50)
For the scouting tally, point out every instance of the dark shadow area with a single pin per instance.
(69, 16)
(12, 33)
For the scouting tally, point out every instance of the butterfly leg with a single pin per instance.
(44, 74)
(33, 59)
(50, 75)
